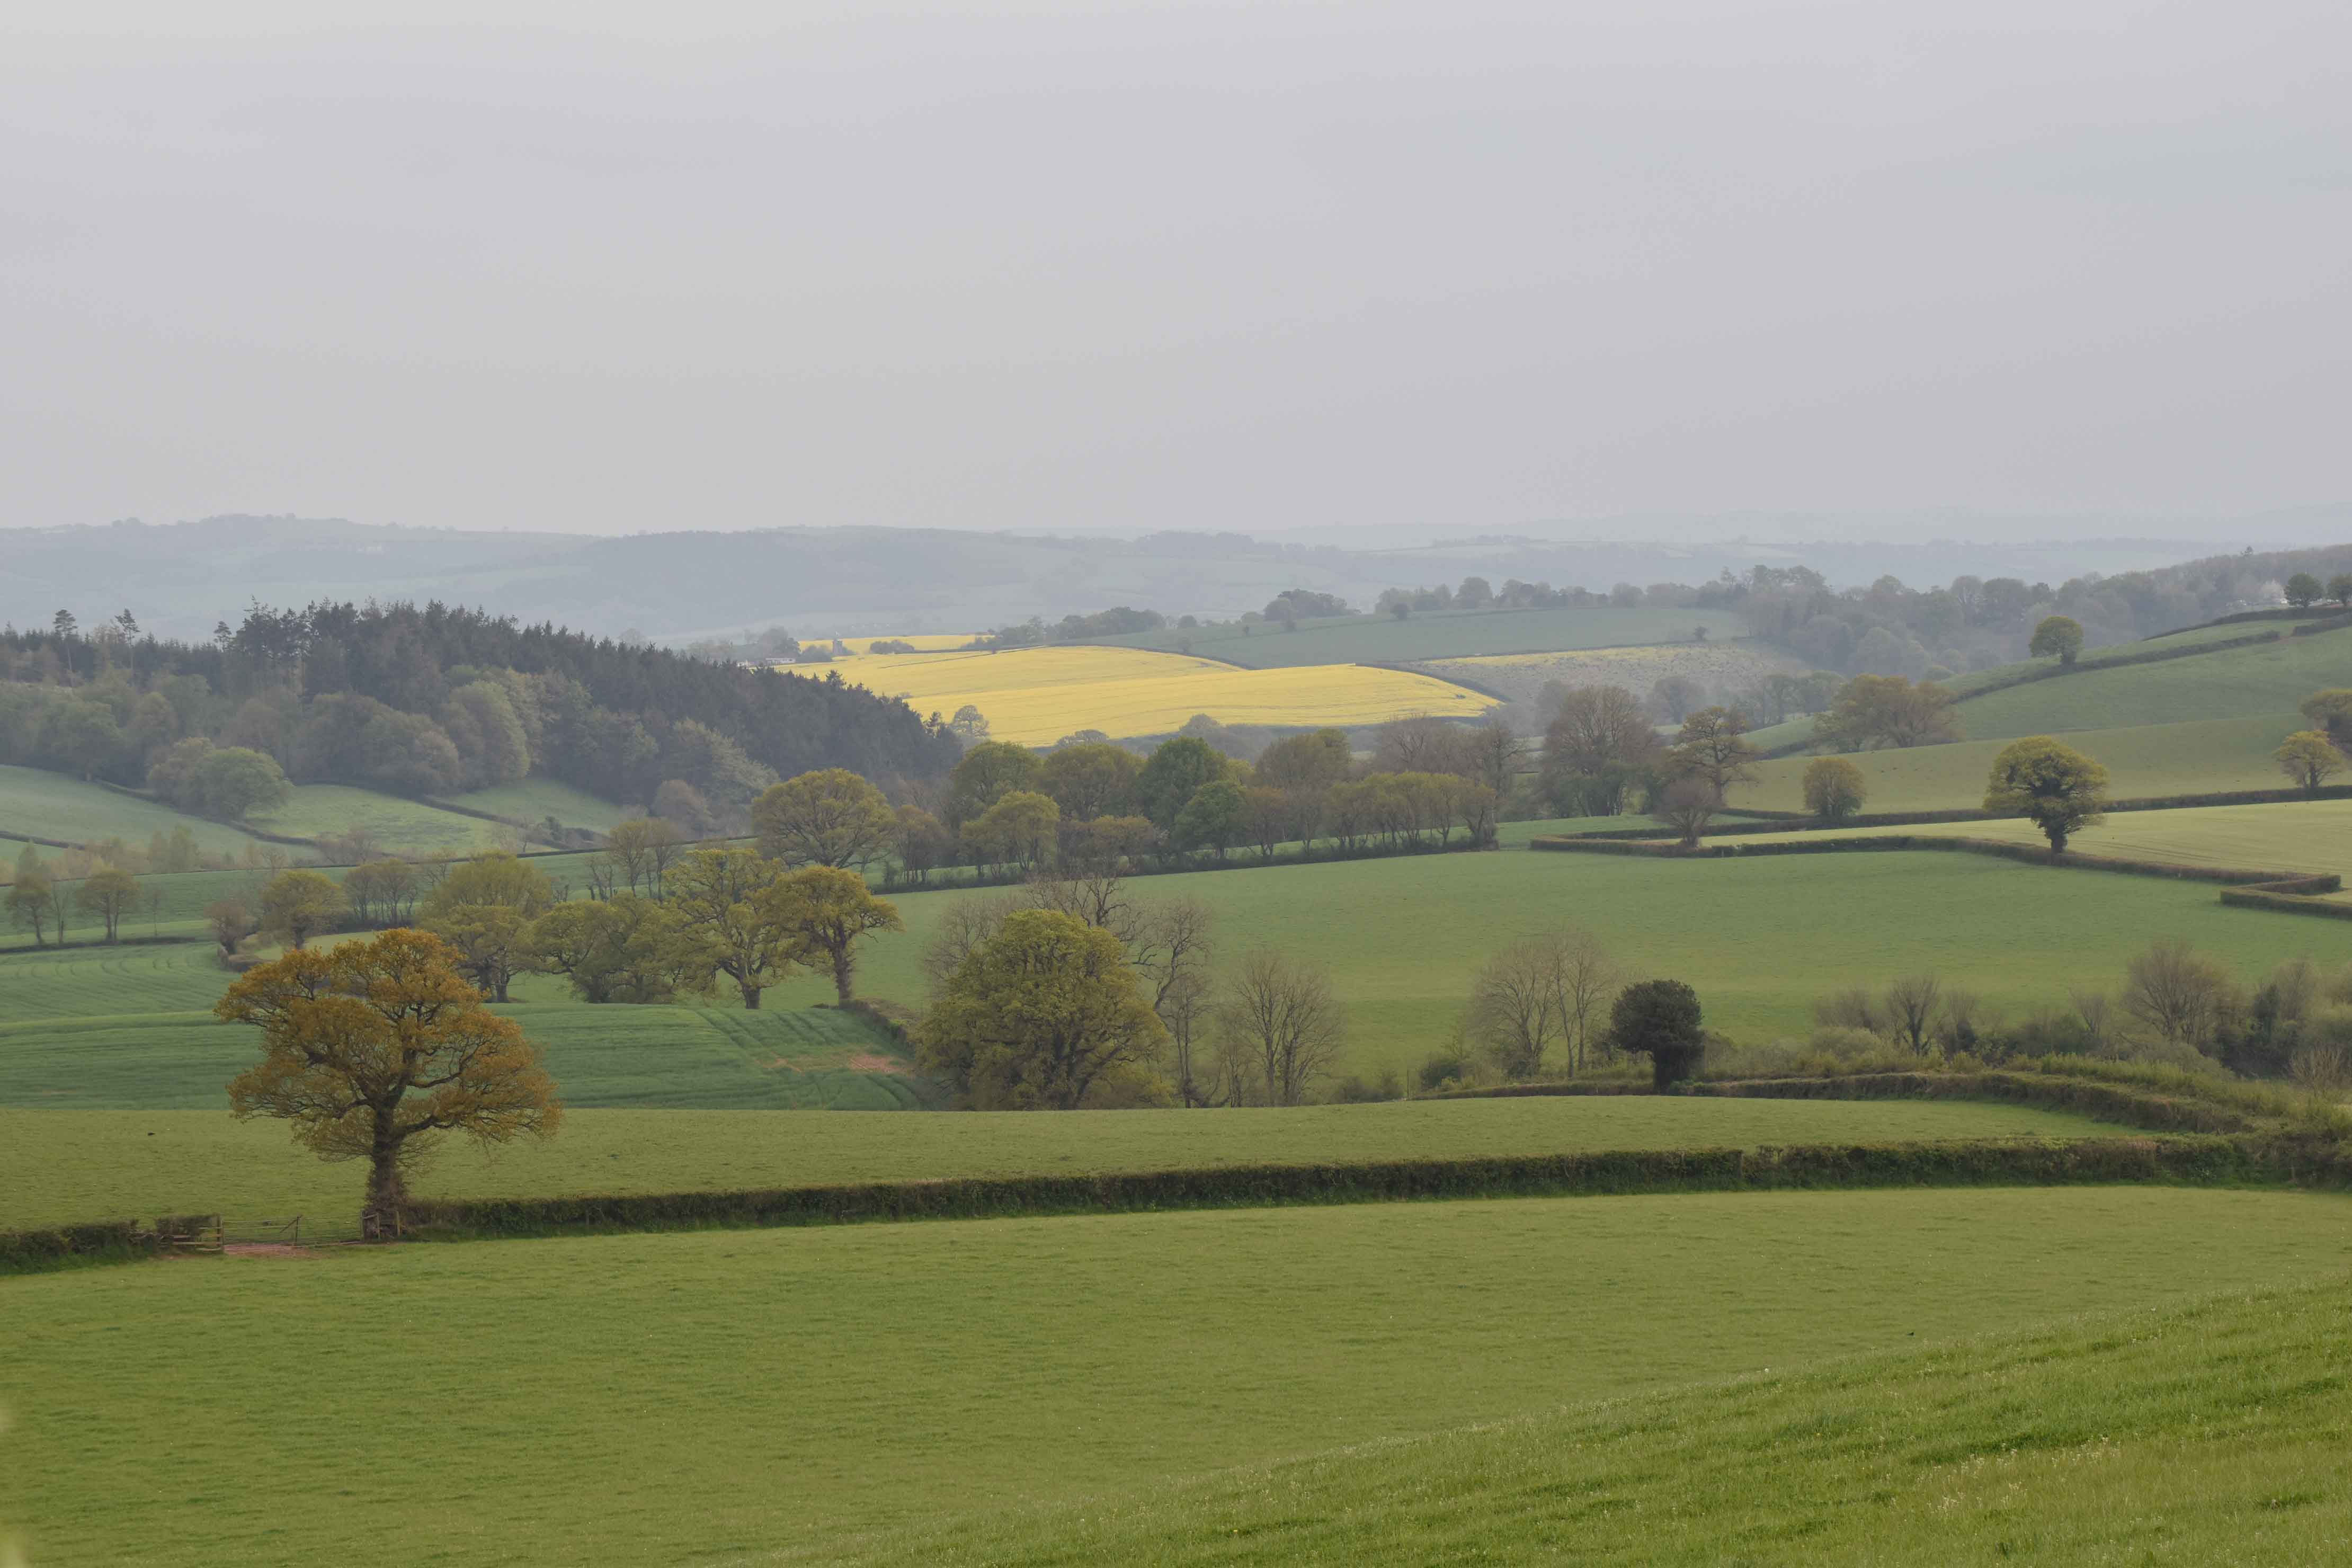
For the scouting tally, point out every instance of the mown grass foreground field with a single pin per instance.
(746, 1395)
(1035, 696)
(59, 1167)
(2207, 1432)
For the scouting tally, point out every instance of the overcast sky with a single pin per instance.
(1466, 263)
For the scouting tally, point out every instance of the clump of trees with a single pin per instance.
(1545, 999)
(1834, 790)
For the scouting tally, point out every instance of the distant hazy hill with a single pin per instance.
(179, 578)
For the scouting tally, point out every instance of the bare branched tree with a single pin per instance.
(1514, 1014)
(1282, 1017)
(1589, 982)
(1912, 1002)
(2096, 1010)
(2178, 993)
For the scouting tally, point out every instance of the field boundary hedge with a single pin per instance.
(2025, 853)
(2003, 1161)
(50, 1247)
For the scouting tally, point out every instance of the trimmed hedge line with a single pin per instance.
(2025, 853)
(2285, 903)
(2119, 1104)
(100, 1241)
(1987, 1161)
(1764, 820)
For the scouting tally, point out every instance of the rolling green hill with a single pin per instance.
(727, 1395)
(1440, 634)
(2198, 1434)
(2269, 678)
(37, 803)
(2203, 756)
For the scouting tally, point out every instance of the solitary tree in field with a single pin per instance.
(829, 817)
(1835, 789)
(2052, 785)
(2339, 588)
(1660, 1019)
(1037, 1015)
(2059, 637)
(110, 893)
(1688, 805)
(31, 901)
(832, 910)
(2310, 759)
(376, 1050)
(2303, 590)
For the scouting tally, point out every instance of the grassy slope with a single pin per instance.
(2301, 835)
(709, 1395)
(60, 1166)
(1457, 634)
(1401, 937)
(536, 799)
(402, 826)
(2203, 756)
(2208, 1433)
(35, 803)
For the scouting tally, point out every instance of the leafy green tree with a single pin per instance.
(2050, 785)
(1019, 831)
(831, 911)
(32, 902)
(621, 948)
(1312, 762)
(2330, 712)
(2310, 759)
(987, 773)
(2303, 590)
(1215, 818)
(378, 1049)
(1041, 1015)
(1090, 780)
(110, 893)
(731, 922)
(231, 921)
(483, 910)
(1597, 747)
(1713, 747)
(1835, 789)
(1660, 1019)
(299, 905)
(1174, 775)
(234, 782)
(2059, 637)
(492, 746)
(829, 817)
(2339, 588)
(1688, 806)
(84, 735)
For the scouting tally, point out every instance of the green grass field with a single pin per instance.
(2270, 677)
(400, 826)
(57, 1166)
(36, 804)
(725, 1397)
(1402, 938)
(1444, 634)
(536, 799)
(2203, 756)
(2301, 835)
(2202, 1434)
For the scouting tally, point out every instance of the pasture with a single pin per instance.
(726, 1395)
(2269, 678)
(60, 1166)
(405, 826)
(1035, 696)
(1440, 634)
(534, 800)
(2297, 836)
(37, 803)
(1402, 939)
(2207, 1433)
(2201, 756)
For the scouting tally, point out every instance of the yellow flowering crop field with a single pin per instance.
(1034, 697)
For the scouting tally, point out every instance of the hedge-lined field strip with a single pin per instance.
(62, 1165)
(53, 808)
(1443, 634)
(737, 1394)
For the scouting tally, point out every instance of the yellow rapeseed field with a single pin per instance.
(1035, 696)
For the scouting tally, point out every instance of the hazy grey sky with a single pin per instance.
(1260, 265)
